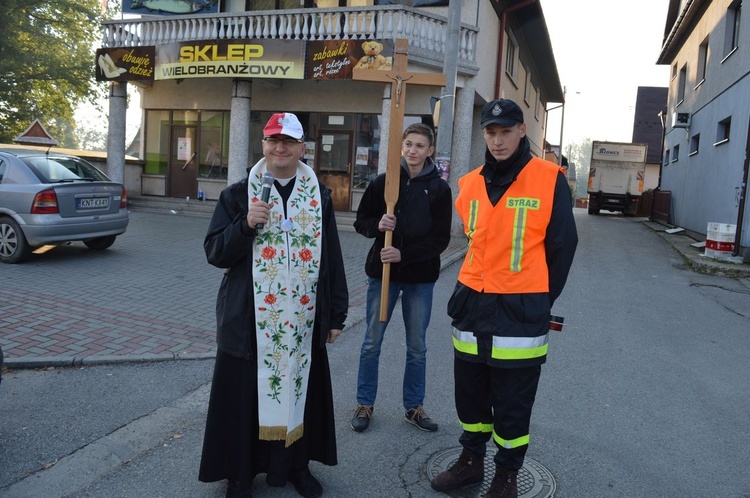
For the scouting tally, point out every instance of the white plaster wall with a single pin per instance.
(277, 95)
(651, 177)
(338, 96)
(190, 93)
(489, 29)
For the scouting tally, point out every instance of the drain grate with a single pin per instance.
(534, 481)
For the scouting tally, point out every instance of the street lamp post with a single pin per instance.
(562, 123)
(663, 119)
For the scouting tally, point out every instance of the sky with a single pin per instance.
(605, 50)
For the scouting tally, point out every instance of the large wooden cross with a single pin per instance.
(398, 78)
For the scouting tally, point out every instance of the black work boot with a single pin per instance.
(468, 469)
(504, 484)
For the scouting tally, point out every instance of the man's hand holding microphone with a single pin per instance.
(258, 212)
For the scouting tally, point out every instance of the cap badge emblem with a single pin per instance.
(497, 110)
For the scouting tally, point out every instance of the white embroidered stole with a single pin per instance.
(286, 265)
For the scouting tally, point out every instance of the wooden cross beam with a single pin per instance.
(398, 78)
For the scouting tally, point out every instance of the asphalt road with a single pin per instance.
(644, 394)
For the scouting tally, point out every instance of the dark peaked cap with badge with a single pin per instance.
(502, 112)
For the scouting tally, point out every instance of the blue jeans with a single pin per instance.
(416, 306)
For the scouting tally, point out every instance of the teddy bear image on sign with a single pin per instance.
(372, 58)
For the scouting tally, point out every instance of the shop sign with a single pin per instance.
(335, 59)
(125, 64)
(281, 59)
(170, 7)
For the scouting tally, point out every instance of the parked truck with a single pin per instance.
(616, 176)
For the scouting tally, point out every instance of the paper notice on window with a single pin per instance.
(184, 144)
(362, 155)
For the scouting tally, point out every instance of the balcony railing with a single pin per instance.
(426, 32)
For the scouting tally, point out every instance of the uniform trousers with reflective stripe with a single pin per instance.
(495, 403)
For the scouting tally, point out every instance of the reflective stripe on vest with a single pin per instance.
(511, 443)
(503, 348)
(471, 226)
(519, 229)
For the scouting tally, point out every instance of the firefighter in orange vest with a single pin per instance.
(517, 215)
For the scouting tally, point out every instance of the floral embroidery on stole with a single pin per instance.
(286, 264)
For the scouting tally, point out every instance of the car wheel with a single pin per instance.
(13, 245)
(100, 243)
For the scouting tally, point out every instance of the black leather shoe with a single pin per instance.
(305, 484)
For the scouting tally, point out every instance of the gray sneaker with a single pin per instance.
(362, 416)
(417, 417)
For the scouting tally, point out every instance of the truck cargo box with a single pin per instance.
(616, 176)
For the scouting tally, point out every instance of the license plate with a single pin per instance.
(614, 201)
(93, 203)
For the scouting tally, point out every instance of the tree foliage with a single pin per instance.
(46, 64)
(580, 154)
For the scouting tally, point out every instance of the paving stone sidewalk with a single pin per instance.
(149, 297)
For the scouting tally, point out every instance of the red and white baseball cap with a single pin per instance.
(283, 123)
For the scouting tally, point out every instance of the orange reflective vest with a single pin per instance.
(506, 253)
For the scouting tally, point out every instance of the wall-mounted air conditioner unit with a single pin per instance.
(681, 120)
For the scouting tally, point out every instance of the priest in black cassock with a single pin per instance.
(282, 298)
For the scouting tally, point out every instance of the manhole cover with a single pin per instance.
(534, 481)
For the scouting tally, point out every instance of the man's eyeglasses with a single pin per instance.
(273, 141)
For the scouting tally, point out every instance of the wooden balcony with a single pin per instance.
(427, 33)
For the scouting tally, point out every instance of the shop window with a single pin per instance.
(214, 144)
(368, 146)
(157, 142)
(212, 140)
(188, 118)
(367, 150)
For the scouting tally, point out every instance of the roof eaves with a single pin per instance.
(534, 30)
(678, 25)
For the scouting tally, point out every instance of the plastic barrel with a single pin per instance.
(720, 240)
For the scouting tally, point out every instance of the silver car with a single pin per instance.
(48, 198)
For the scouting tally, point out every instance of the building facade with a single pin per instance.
(706, 139)
(209, 82)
